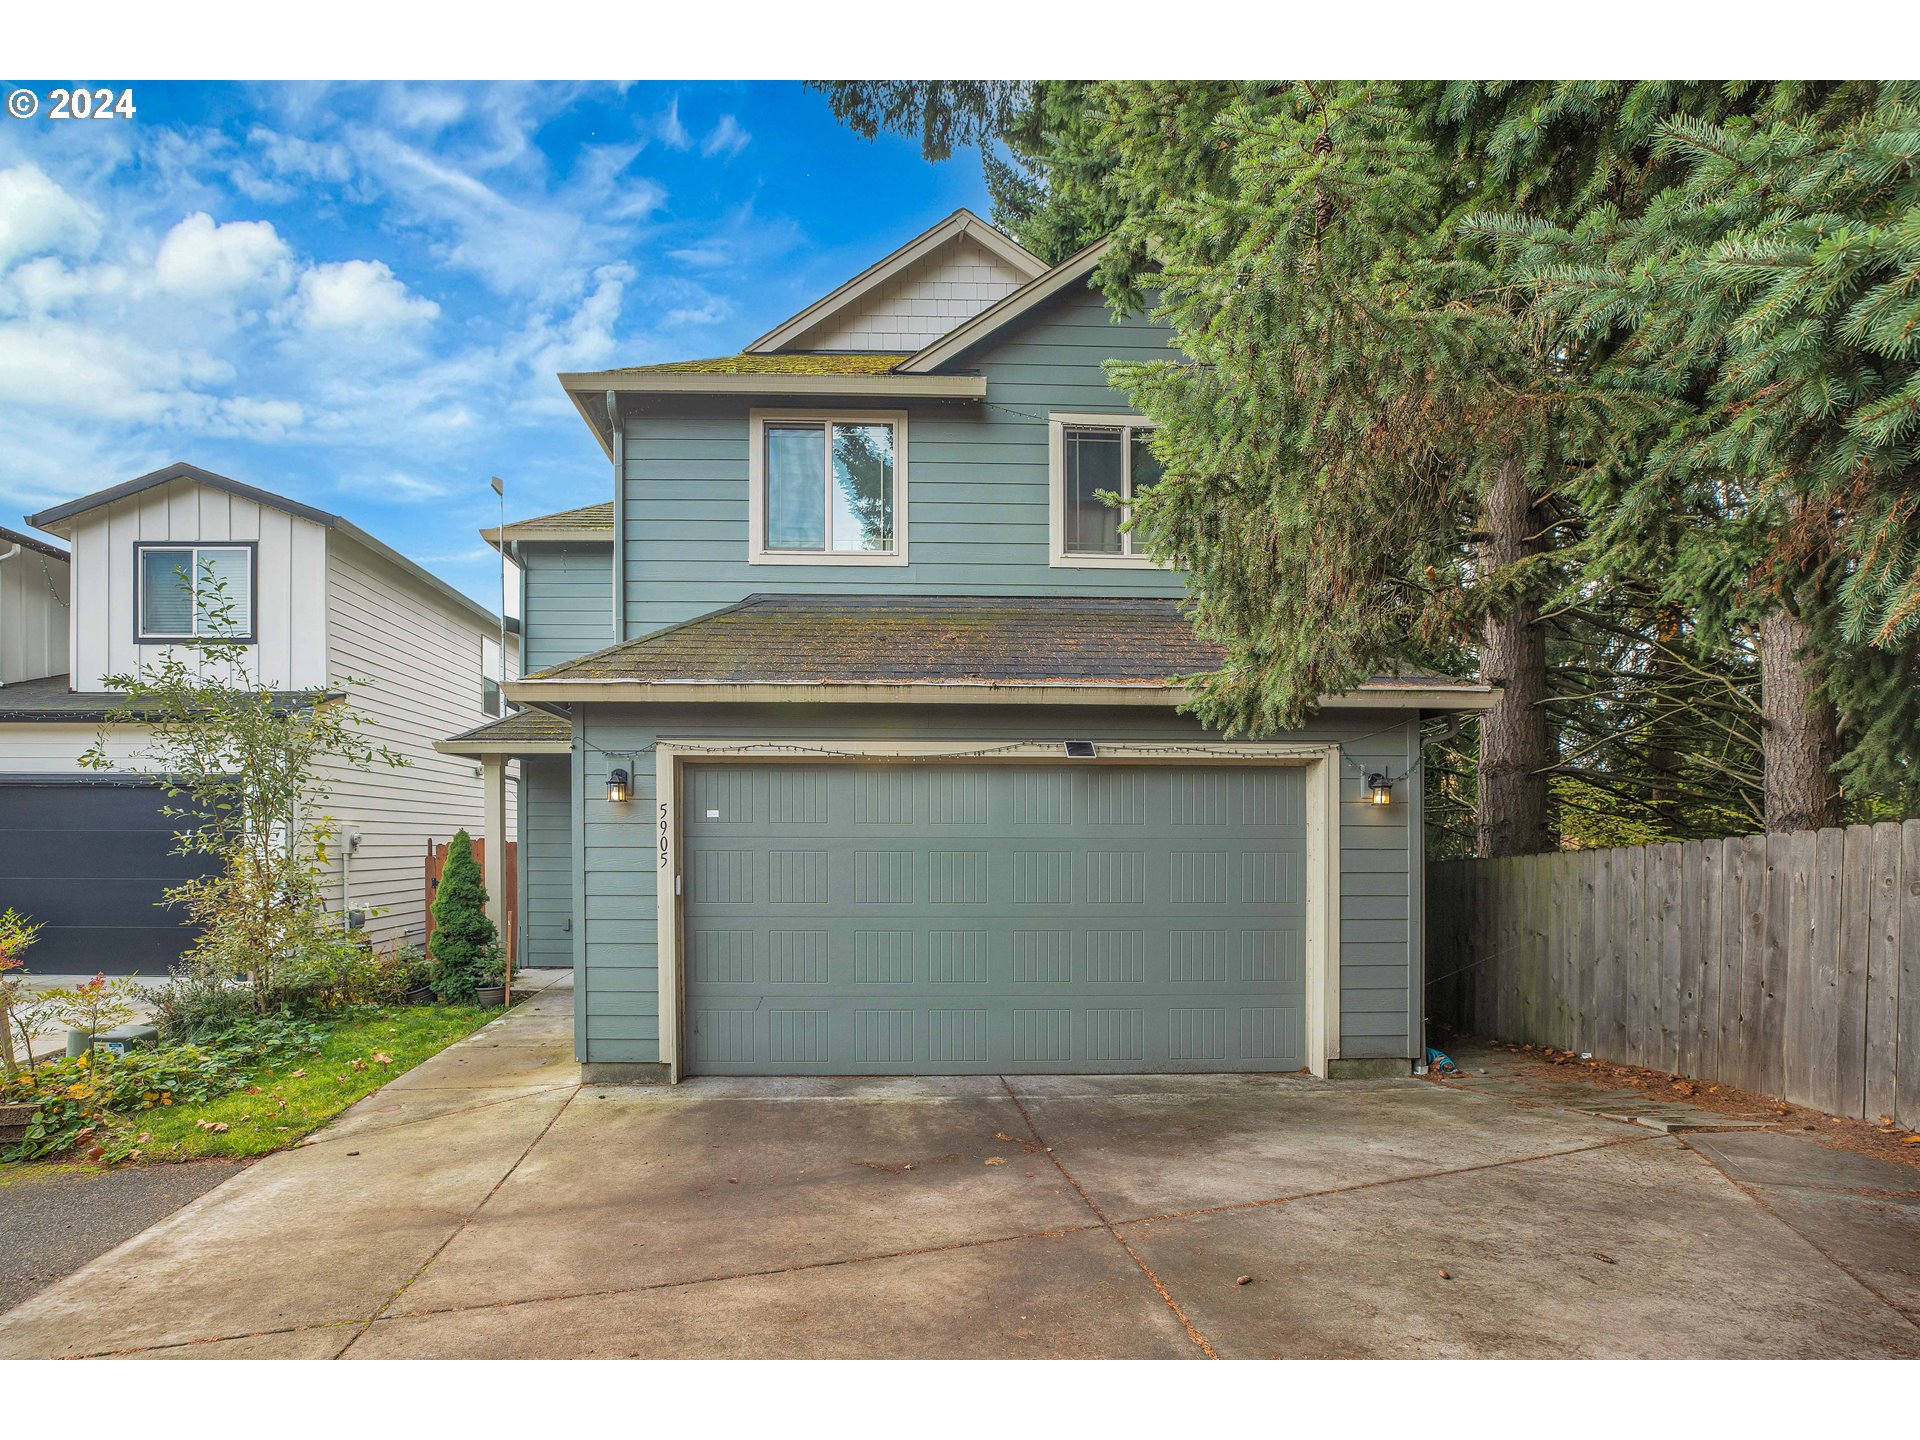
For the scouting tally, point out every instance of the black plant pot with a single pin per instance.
(420, 995)
(491, 995)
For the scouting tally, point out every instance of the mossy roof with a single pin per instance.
(587, 517)
(521, 725)
(783, 364)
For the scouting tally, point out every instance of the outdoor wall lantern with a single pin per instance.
(1379, 789)
(619, 785)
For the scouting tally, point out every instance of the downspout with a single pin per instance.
(619, 520)
(13, 551)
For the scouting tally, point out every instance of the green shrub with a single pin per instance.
(464, 942)
(87, 1102)
(194, 1004)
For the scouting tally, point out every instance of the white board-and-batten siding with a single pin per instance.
(34, 590)
(417, 658)
(290, 572)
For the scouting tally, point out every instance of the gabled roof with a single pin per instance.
(960, 223)
(789, 362)
(589, 522)
(55, 519)
(947, 649)
(28, 542)
(524, 732)
(963, 337)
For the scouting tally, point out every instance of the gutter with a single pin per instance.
(961, 692)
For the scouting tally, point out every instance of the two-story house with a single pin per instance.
(854, 743)
(324, 609)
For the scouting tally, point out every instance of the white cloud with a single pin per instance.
(725, 139)
(206, 261)
(668, 129)
(257, 419)
(395, 485)
(361, 295)
(710, 313)
(37, 217)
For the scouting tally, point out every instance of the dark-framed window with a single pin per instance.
(185, 591)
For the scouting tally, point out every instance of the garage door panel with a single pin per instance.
(91, 863)
(959, 919)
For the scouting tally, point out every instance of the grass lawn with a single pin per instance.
(283, 1104)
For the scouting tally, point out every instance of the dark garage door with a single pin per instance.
(89, 859)
(953, 919)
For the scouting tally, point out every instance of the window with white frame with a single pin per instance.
(186, 592)
(828, 488)
(1091, 456)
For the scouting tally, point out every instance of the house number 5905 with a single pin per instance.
(665, 831)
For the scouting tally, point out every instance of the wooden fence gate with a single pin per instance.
(437, 862)
(1787, 964)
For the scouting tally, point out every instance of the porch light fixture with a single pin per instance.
(619, 786)
(1080, 750)
(1379, 789)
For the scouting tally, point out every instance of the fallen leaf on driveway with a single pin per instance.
(995, 1160)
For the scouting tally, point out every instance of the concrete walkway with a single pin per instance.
(488, 1205)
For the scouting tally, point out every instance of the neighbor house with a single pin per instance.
(323, 608)
(853, 742)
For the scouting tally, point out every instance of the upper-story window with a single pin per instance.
(1088, 456)
(184, 593)
(492, 672)
(828, 488)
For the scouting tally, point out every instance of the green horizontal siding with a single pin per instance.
(616, 955)
(569, 601)
(977, 484)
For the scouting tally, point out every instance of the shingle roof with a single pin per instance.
(518, 728)
(920, 640)
(787, 364)
(587, 517)
(49, 701)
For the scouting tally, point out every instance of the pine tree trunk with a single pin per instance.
(1799, 733)
(1663, 758)
(1514, 751)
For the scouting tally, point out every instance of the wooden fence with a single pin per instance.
(1787, 964)
(437, 861)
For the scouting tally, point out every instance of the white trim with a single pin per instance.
(757, 551)
(961, 222)
(1058, 422)
(964, 337)
(478, 749)
(1322, 943)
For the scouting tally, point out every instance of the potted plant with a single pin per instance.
(493, 962)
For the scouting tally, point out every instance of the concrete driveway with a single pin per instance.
(488, 1205)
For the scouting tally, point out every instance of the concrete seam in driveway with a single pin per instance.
(1822, 1251)
(1193, 1331)
(1262, 1204)
(465, 1221)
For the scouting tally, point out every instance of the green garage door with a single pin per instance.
(958, 919)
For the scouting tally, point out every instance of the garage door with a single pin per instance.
(945, 919)
(89, 860)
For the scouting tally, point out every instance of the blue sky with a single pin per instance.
(359, 295)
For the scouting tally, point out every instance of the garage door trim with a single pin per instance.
(1322, 763)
